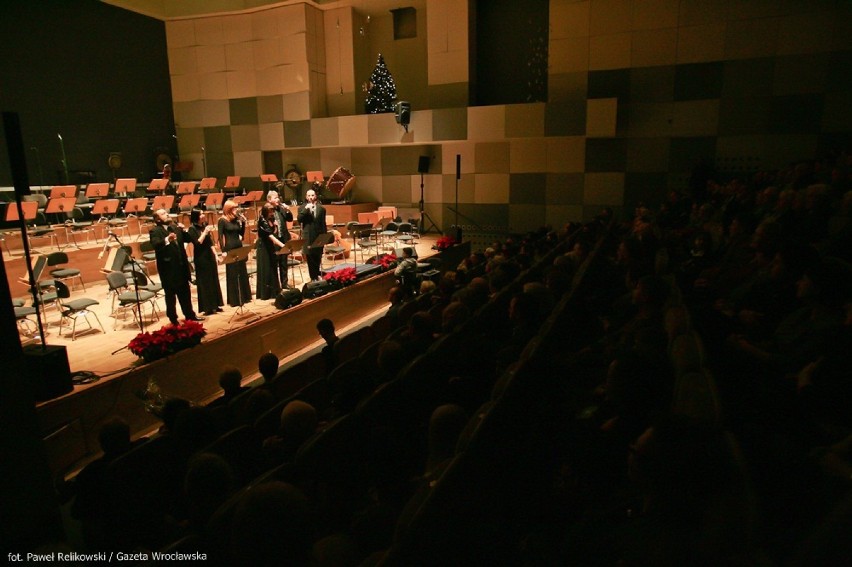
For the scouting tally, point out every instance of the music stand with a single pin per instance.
(240, 254)
(268, 179)
(207, 184)
(186, 187)
(189, 201)
(125, 185)
(285, 251)
(135, 208)
(355, 230)
(60, 205)
(158, 185)
(62, 191)
(30, 209)
(232, 182)
(163, 202)
(97, 190)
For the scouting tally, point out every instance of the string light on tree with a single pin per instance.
(380, 89)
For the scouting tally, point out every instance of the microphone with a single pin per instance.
(59, 136)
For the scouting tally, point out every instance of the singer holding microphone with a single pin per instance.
(312, 218)
(232, 228)
(206, 271)
(173, 266)
(283, 215)
(268, 284)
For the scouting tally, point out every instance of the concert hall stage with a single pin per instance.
(70, 423)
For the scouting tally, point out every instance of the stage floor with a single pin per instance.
(103, 353)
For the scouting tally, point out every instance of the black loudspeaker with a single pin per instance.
(288, 298)
(402, 110)
(423, 164)
(48, 370)
(15, 149)
(458, 166)
(315, 289)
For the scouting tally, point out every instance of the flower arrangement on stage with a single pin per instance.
(385, 261)
(343, 276)
(168, 340)
(444, 242)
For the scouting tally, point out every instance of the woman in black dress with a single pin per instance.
(268, 284)
(232, 228)
(206, 270)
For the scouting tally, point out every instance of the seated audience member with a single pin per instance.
(298, 423)
(172, 408)
(390, 359)
(406, 271)
(267, 365)
(453, 316)
(325, 328)
(396, 297)
(445, 426)
(89, 484)
(230, 380)
(427, 286)
(273, 526)
(258, 402)
(208, 483)
(419, 334)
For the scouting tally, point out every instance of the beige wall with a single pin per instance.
(637, 90)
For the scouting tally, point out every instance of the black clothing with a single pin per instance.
(268, 285)
(236, 275)
(206, 271)
(313, 225)
(173, 268)
(283, 215)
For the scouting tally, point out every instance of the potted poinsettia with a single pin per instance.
(168, 340)
(384, 261)
(341, 277)
(444, 243)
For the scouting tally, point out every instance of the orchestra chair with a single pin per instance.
(73, 309)
(56, 260)
(26, 326)
(77, 225)
(126, 297)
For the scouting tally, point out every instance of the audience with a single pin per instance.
(230, 380)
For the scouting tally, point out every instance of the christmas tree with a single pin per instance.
(380, 89)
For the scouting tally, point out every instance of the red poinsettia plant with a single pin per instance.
(385, 261)
(444, 242)
(168, 340)
(343, 276)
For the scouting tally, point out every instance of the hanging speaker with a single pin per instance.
(423, 164)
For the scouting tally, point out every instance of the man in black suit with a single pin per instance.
(172, 265)
(283, 215)
(312, 218)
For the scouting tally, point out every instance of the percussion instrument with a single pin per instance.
(341, 182)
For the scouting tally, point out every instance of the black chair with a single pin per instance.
(58, 259)
(74, 309)
(127, 298)
(76, 225)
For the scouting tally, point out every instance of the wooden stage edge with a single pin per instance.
(70, 423)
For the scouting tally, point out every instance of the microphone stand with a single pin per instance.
(135, 265)
(38, 162)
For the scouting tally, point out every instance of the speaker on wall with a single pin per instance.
(402, 110)
(423, 164)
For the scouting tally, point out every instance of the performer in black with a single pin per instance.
(283, 215)
(312, 219)
(268, 243)
(168, 242)
(206, 270)
(232, 228)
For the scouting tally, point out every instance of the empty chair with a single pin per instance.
(129, 299)
(405, 234)
(388, 235)
(73, 309)
(59, 259)
(367, 242)
(76, 225)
